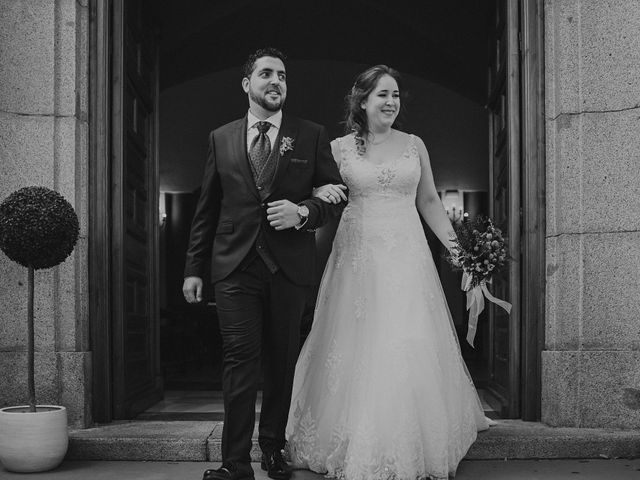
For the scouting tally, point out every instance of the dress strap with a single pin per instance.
(411, 146)
(347, 147)
(338, 154)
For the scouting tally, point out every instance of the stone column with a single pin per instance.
(591, 362)
(44, 141)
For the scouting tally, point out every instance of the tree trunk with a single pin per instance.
(30, 345)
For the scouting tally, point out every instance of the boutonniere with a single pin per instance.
(286, 144)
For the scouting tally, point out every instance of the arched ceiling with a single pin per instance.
(442, 41)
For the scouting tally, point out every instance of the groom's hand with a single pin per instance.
(192, 289)
(282, 214)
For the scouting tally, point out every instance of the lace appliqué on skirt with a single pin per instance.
(380, 389)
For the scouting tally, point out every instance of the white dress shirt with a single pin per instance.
(252, 131)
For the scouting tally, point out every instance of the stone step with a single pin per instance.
(200, 441)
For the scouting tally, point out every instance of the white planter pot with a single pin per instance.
(33, 441)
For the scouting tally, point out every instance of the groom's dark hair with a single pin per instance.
(250, 65)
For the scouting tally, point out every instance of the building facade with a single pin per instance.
(578, 141)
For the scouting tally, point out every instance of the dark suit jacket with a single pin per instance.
(230, 212)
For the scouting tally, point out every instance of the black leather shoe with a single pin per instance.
(226, 472)
(275, 466)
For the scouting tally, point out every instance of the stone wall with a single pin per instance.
(591, 362)
(44, 141)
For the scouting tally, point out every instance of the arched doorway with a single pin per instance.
(190, 57)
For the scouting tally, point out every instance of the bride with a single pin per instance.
(380, 390)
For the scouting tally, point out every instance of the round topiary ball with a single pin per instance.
(38, 227)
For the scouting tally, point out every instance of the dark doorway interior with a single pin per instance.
(442, 48)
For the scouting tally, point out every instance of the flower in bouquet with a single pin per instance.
(480, 251)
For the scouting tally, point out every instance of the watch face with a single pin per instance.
(303, 210)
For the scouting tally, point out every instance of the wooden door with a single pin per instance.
(135, 323)
(504, 128)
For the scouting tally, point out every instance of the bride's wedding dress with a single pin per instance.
(380, 389)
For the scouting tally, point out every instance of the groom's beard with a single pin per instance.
(271, 106)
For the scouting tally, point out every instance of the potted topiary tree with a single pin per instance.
(38, 229)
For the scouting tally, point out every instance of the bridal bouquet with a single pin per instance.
(480, 251)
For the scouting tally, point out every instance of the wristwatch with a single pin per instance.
(303, 213)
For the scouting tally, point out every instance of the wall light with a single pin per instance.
(162, 209)
(453, 202)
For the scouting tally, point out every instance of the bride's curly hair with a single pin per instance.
(355, 116)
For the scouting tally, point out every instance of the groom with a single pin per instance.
(254, 222)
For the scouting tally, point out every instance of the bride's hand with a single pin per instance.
(330, 193)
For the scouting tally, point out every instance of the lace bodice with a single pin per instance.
(382, 206)
(394, 178)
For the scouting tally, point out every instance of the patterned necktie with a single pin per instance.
(260, 149)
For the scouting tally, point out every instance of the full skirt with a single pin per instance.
(381, 391)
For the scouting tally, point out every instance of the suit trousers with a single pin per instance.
(259, 314)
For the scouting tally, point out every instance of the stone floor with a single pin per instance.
(477, 470)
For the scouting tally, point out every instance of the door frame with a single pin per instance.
(128, 400)
(533, 213)
(504, 175)
(100, 294)
(105, 305)
(527, 172)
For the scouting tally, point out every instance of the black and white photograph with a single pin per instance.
(305, 240)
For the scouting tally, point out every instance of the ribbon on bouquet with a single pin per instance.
(475, 303)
